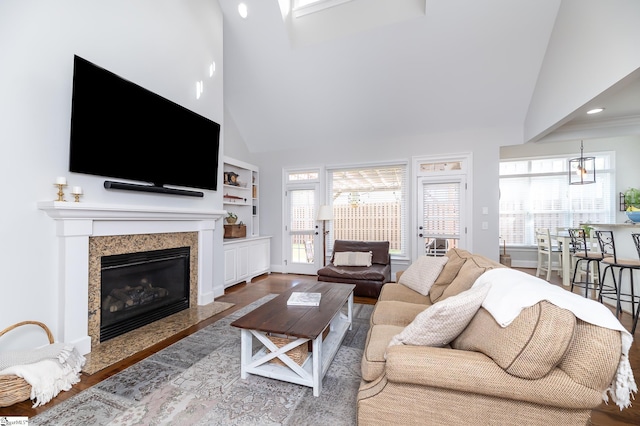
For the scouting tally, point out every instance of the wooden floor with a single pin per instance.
(244, 294)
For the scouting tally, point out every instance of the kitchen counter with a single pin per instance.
(614, 225)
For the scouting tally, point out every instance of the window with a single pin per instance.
(302, 176)
(305, 7)
(535, 193)
(369, 204)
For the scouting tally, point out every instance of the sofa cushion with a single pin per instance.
(352, 258)
(375, 272)
(457, 258)
(422, 273)
(530, 347)
(399, 293)
(392, 312)
(379, 249)
(579, 361)
(373, 361)
(468, 274)
(442, 322)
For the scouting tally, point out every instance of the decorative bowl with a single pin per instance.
(634, 216)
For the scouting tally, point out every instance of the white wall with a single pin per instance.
(594, 45)
(235, 146)
(162, 45)
(484, 181)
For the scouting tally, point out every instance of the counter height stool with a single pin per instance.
(582, 253)
(636, 241)
(611, 260)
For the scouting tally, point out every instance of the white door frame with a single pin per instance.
(441, 173)
(287, 264)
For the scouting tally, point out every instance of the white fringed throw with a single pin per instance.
(512, 291)
(49, 370)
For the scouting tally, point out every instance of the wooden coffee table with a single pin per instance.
(302, 324)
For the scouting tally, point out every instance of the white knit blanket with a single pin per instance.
(49, 370)
(512, 291)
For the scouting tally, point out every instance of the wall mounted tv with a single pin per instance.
(121, 130)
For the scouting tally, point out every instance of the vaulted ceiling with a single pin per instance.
(439, 66)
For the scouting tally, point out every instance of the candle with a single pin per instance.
(61, 180)
(76, 190)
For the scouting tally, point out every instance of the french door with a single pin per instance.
(302, 233)
(440, 220)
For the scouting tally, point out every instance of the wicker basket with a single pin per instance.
(14, 389)
(298, 354)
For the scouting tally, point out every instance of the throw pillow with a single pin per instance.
(531, 346)
(442, 322)
(449, 272)
(422, 273)
(352, 258)
(468, 275)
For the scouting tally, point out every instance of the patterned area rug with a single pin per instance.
(196, 381)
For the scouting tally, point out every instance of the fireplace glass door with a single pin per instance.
(143, 287)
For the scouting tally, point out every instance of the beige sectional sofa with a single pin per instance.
(546, 368)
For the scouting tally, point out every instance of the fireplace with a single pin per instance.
(88, 231)
(139, 288)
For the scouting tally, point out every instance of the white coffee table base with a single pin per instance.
(312, 371)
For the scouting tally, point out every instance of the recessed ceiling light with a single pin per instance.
(595, 110)
(242, 10)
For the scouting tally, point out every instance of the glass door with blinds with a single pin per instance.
(302, 231)
(302, 242)
(440, 222)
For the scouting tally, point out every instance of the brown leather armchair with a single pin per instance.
(368, 279)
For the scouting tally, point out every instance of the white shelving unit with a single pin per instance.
(248, 257)
(239, 195)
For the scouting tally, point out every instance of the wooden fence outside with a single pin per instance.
(369, 222)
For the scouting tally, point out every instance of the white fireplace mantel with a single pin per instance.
(76, 222)
(69, 210)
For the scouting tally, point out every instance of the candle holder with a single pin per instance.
(60, 192)
(77, 192)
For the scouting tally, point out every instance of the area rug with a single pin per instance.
(196, 381)
(121, 347)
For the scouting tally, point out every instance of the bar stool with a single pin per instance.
(636, 241)
(611, 260)
(581, 252)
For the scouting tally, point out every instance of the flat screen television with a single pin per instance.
(122, 130)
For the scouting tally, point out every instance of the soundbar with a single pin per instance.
(108, 184)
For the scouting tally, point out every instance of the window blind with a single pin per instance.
(535, 193)
(441, 207)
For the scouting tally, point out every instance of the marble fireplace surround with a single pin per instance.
(76, 223)
(121, 244)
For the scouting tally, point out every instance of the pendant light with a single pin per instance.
(582, 171)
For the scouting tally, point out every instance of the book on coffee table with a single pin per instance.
(303, 298)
